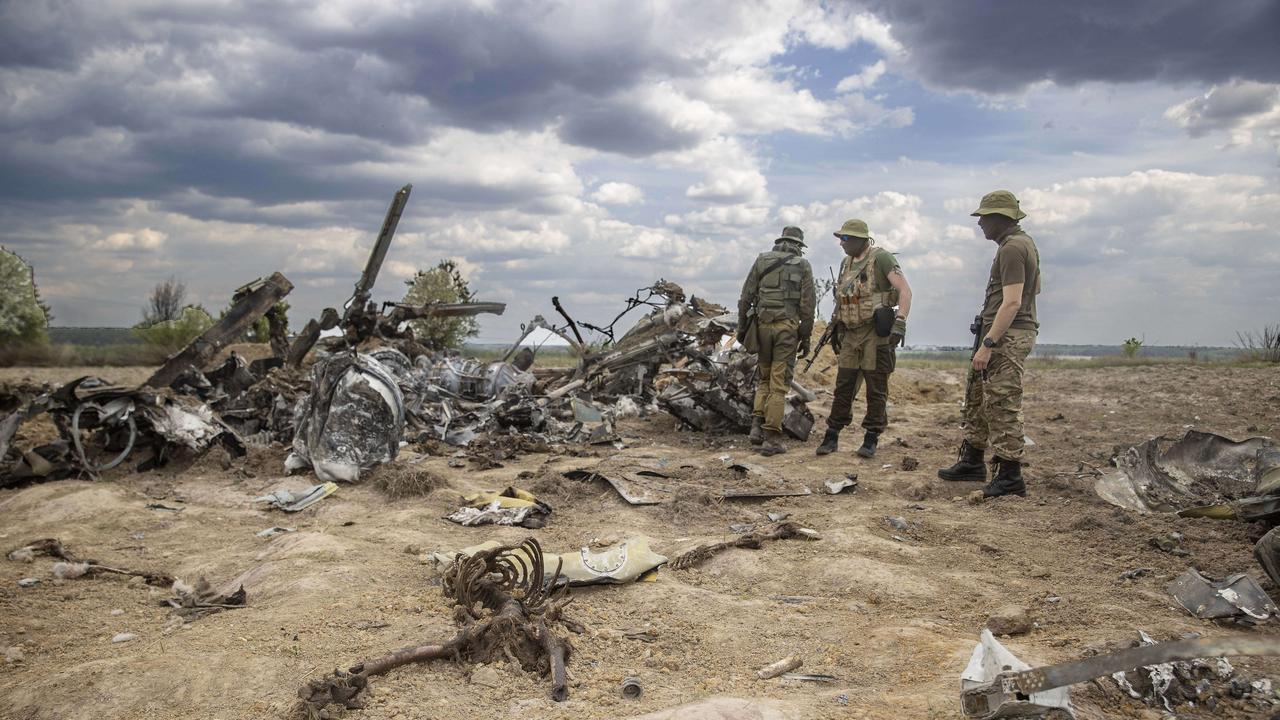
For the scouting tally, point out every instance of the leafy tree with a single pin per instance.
(23, 318)
(173, 335)
(445, 284)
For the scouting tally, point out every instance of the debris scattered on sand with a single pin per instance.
(773, 670)
(512, 506)
(298, 500)
(835, 487)
(191, 603)
(751, 540)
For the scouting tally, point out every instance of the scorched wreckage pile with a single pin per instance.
(350, 402)
(372, 387)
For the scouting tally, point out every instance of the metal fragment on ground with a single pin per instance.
(1237, 596)
(298, 500)
(987, 662)
(1197, 470)
(835, 487)
(512, 506)
(622, 562)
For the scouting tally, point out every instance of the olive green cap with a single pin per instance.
(853, 228)
(793, 234)
(999, 202)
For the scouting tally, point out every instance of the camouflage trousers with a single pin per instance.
(775, 364)
(993, 405)
(853, 372)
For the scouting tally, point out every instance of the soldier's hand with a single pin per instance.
(982, 359)
(899, 332)
(804, 348)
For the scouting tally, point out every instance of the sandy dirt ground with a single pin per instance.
(894, 619)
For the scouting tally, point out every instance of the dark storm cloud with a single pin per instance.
(626, 130)
(181, 85)
(1000, 46)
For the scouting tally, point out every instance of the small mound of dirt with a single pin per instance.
(552, 486)
(399, 481)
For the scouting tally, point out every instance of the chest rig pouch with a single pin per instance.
(861, 295)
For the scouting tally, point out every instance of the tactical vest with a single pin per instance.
(859, 292)
(778, 294)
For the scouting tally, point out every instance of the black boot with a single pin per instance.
(830, 442)
(772, 444)
(1008, 479)
(968, 467)
(756, 436)
(869, 442)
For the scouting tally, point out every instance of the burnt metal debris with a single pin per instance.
(997, 684)
(372, 386)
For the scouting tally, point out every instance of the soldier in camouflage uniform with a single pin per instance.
(776, 305)
(993, 399)
(870, 279)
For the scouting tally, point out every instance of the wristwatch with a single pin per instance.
(987, 342)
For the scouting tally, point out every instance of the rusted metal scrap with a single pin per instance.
(510, 608)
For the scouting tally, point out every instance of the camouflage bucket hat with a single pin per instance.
(853, 228)
(793, 234)
(1000, 202)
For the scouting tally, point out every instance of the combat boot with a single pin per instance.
(1008, 479)
(869, 442)
(756, 436)
(830, 442)
(968, 467)
(772, 444)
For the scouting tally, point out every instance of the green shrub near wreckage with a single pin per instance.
(22, 319)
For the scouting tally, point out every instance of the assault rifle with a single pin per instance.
(830, 335)
(826, 337)
(975, 327)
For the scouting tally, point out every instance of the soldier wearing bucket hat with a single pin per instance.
(775, 312)
(1007, 328)
(871, 285)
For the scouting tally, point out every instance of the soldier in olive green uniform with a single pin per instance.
(776, 304)
(993, 401)
(870, 281)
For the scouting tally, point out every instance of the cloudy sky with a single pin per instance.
(586, 149)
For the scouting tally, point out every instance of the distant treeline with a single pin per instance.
(93, 336)
(1052, 350)
(1148, 351)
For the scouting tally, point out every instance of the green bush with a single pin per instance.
(170, 336)
(1132, 347)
